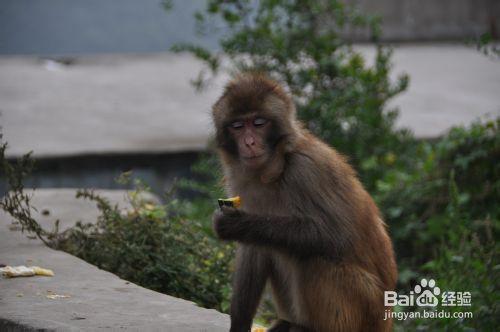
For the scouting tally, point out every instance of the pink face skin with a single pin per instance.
(250, 135)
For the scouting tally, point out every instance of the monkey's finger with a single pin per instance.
(228, 210)
(232, 212)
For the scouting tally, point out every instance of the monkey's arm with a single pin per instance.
(298, 236)
(252, 269)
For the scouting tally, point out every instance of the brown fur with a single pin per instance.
(306, 224)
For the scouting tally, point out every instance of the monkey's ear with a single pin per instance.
(276, 165)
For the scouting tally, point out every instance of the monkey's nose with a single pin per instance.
(249, 140)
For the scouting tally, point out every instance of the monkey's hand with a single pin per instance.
(229, 223)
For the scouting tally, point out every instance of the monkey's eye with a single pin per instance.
(237, 124)
(259, 122)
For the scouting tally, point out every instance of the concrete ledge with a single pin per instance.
(98, 299)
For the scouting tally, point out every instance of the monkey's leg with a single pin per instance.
(252, 270)
(344, 298)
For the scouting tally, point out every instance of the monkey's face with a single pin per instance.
(250, 134)
(254, 120)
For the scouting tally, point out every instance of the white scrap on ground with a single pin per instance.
(25, 271)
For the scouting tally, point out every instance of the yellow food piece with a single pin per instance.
(42, 272)
(231, 202)
(258, 329)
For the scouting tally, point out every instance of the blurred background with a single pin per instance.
(92, 88)
(409, 90)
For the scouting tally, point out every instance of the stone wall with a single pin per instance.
(60, 27)
(433, 20)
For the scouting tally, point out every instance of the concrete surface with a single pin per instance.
(449, 85)
(98, 299)
(103, 104)
(144, 103)
(62, 205)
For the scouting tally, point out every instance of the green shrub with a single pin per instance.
(444, 218)
(15, 201)
(155, 246)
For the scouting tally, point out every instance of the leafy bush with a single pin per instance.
(155, 246)
(444, 217)
(15, 201)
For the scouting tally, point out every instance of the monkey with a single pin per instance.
(306, 225)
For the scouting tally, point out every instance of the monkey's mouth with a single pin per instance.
(253, 160)
(254, 157)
